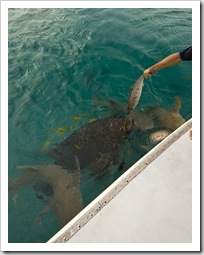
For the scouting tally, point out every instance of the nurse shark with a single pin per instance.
(96, 146)
(64, 199)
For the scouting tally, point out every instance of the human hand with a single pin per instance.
(147, 73)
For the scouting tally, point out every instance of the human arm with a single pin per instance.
(171, 60)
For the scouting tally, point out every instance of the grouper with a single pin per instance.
(95, 144)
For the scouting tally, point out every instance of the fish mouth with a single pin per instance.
(158, 136)
(130, 110)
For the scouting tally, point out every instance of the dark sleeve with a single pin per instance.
(186, 55)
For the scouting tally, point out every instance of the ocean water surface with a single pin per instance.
(64, 67)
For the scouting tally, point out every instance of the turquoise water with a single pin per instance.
(59, 61)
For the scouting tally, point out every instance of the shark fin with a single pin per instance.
(31, 168)
(15, 197)
(76, 174)
(68, 179)
(25, 179)
(176, 107)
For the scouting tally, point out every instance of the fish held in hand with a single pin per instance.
(135, 94)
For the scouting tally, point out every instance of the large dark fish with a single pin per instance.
(96, 142)
(135, 94)
(95, 145)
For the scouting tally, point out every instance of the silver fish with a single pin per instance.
(135, 94)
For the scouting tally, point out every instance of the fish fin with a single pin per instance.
(42, 168)
(114, 107)
(146, 148)
(177, 105)
(46, 207)
(16, 184)
(101, 165)
(15, 197)
(68, 178)
(30, 168)
(76, 174)
(150, 109)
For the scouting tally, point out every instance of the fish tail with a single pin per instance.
(177, 105)
(20, 181)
